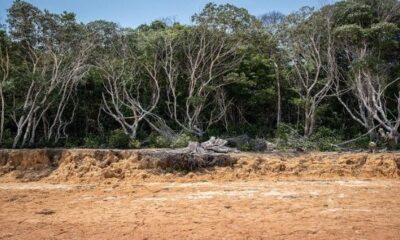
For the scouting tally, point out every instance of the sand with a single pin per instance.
(79, 194)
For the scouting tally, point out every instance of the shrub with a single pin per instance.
(245, 147)
(118, 139)
(287, 137)
(361, 142)
(182, 140)
(135, 144)
(323, 139)
(92, 141)
(157, 141)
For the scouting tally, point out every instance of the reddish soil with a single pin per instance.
(262, 196)
(202, 210)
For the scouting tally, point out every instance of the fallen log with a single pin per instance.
(213, 145)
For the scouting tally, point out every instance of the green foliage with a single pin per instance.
(118, 139)
(182, 140)
(135, 144)
(254, 75)
(351, 33)
(361, 143)
(324, 139)
(157, 141)
(288, 137)
(353, 12)
(226, 17)
(245, 147)
(383, 33)
(91, 141)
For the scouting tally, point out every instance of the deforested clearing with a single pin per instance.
(187, 119)
(138, 194)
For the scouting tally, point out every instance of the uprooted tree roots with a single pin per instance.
(178, 161)
(194, 157)
(214, 145)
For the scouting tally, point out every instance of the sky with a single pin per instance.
(132, 13)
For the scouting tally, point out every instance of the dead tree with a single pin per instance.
(207, 56)
(213, 145)
(369, 92)
(366, 85)
(127, 80)
(4, 73)
(309, 44)
(55, 73)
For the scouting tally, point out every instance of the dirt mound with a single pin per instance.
(29, 164)
(324, 165)
(86, 165)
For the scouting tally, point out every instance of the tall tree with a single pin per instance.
(309, 44)
(226, 17)
(365, 63)
(4, 78)
(132, 84)
(197, 66)
(53, 52)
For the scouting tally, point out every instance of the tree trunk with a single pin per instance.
(278, 89)
(309, 121)
(2, 115)
(27, 131)
(17, 137)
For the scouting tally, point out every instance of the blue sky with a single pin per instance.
(131, 13)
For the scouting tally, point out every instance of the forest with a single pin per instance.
(318, 79)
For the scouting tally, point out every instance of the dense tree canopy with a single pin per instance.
(320, 75)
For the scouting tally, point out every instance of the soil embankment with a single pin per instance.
(86, 165)
(160, 194)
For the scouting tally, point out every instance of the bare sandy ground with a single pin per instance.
(145, 194)
(322, 209)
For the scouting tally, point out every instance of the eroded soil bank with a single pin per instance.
(151, 194)
(87, 165)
